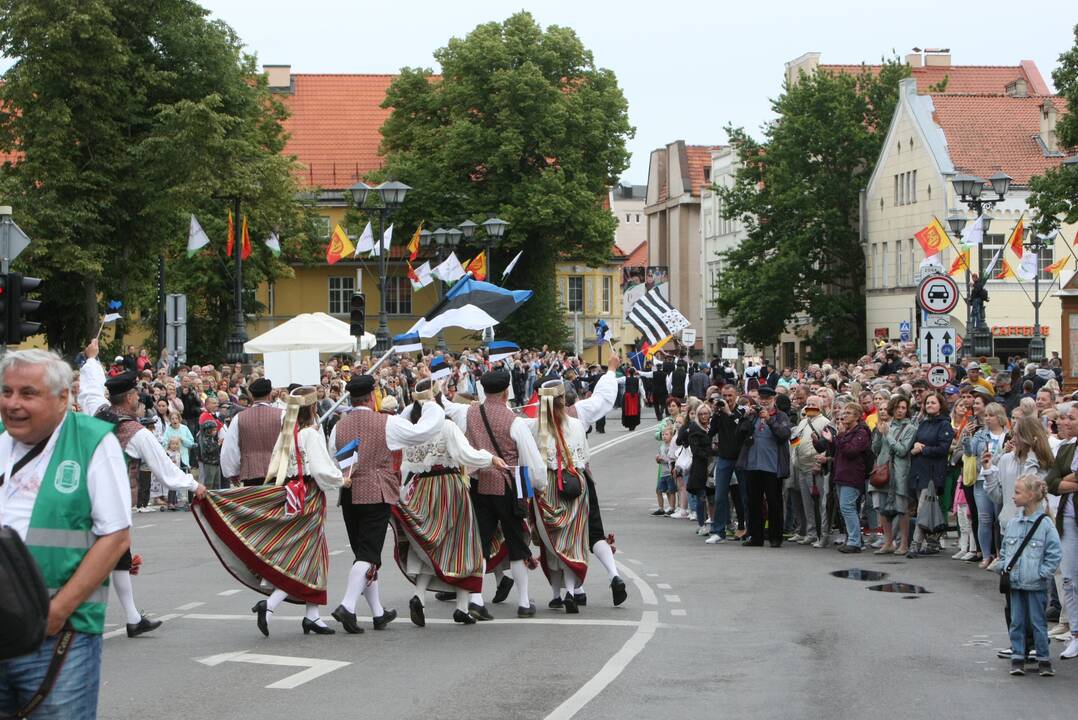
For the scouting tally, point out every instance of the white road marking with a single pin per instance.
(226, 593)
(677, 613)
(653, 574)
(123, 630)
(141, 527)
(663, 586)
(647, 595)
(671, 598)
(190, 606)
(316, 667)
(611, 670)
(618, 441)
(335, 552)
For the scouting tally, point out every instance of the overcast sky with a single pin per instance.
(687, 69)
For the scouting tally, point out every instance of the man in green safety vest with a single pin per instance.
(65, 491)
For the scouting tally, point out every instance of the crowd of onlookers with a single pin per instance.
(869, 456)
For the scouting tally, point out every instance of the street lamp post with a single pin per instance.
(495, 230)
(236, 341)
(968, 190)
(1037, 244)
(391, 196)
(445, 242)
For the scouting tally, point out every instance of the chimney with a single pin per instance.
(938, 57)
(913, 59)
(279, 77)
(1017, 88)
(1048, 126)
(807, 63)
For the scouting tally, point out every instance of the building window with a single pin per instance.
(913, 185)
(638, 218)
(707, 174)
(883, 283)
(872, 267)
(896, 191)
(608, 285)
(913, 260)
(340, 294)
(575, 296)
(324, 227)
(627, 216)
(398, 296)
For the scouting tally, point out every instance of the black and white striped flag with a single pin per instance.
(655, 317)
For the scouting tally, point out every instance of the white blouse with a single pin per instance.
(576, 441)
(449, 449)
(317, 464)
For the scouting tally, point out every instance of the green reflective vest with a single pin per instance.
(61, 523)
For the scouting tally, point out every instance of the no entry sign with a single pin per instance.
(938, 294)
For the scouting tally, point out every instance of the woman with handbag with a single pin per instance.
(851, 443)
(695, 437)
(991, 437)
(891, 442)
(931, 450)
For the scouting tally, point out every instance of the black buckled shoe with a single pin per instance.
(479, 612)
(502, 592)
(310, 626)
(459, 616)
(445, 596)
(617, 589)
(348, 620)
(260, 610)
(144, 626)
(415, 609)
(384, 619)
(581, 599)
(570, 605)
(556, 604)
(526, 612)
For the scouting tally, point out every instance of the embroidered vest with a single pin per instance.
(374, 477)
(257, 429)
(493, 481)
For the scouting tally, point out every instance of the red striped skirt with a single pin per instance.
(562, 526)
(260, 547)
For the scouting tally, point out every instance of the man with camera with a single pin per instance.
(727, 444)
(64, 490)
(765, 456)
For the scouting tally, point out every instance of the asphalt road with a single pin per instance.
(708, 631)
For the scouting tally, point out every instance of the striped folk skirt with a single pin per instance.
(436, 533)
(263, 549)
(562, 526)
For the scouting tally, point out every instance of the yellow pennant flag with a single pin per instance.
(1016, 238)
(960, 263)
(1006, 272)
(932, 238)
(413, 244)
(339, 245)
(1057, 267)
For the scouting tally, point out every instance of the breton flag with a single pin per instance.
(656, 318)
(513, 263)
(450, 269)
(196, 238)
(932, 237)
(523, 482)
(1016, 238)
(472, 305)
(501, 349)
(407, 342)
(366, 241)
(339, 245)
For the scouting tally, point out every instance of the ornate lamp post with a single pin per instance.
(1037, 244)
(445, 241)
(391, 196)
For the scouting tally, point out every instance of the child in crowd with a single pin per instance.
(209, 455)
(967, 547)
(174, 450)
(1030, 571)
(665, 489)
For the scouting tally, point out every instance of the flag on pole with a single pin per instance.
(1027, 267)
(111, 317)
(449, 270)
(346, 457)
(439, 368)
(656, 318)
(196, 238)
(407, 342)
(513, 263)
(501, 349)
(413, 244)
(974, 234)
(932, 237)
(658, 346)
(1058, 266)
(245, 250)
(960, 263)
(366, 240)
(339, 245)
(602, 332)
(273, 242)
(477, 266)
(1006, 272)
(472, 305)
(387, 239)
(992, 265)
(231, 236)
(522, 479)
(1016, 238)
(423, 273)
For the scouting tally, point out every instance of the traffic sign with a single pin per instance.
(931, 320)
(904, 331)
(938, 294)
(938, 376)
(936, 344)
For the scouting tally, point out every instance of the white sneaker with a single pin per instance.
(821, 543)
(1071, 651)
(877, 543)
(839, 540)
(968, 556)
(702, 530)
(959, 555)
(807, 540)
(795, 538)
(992, 565)
(692, 516)
(679, 514)
(1061, 631)
(715, 540)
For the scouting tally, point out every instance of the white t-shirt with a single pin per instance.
(110, 489)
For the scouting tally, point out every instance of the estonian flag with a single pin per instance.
(501, 349)
(472, 305)
(439, 368)
(348, 455)
(408, 342)
(523, 482)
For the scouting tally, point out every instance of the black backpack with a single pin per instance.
(24, 600)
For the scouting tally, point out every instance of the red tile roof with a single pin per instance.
(639, 256)
(335, 126)
(699, 160)
(988, 133)
(965, 78)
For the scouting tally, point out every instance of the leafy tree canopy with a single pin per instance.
(1055, 194)
(797, 196)
(521, 125)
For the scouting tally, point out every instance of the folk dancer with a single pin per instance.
(140, 447)
(493, 427)
(375, 488)
(248, 440)
(438, 542)
(271, 537)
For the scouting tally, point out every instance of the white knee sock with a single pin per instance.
(462, 601)
(313, 616)
(422, 582)
(357, 578)
(570, 581)
(601, 550)
(275, 599)
(520, 578)
(477, 598)
(373, 599)
(121, 581)
(556, 583)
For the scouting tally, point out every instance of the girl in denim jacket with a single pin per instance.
(1031, 573)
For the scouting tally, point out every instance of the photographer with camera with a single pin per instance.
(765, 459)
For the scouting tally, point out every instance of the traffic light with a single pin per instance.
(16, 306)
(357, 314)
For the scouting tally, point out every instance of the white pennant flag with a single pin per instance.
(196, 238)
(1027, 269)
(992, 265)
(974, 234)
(511, 265)
(387, 238)
(423, 272)
(273, 242)
(366, 241)
(450, 270)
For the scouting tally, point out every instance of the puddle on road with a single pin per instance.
(859, 574)
(900, 588)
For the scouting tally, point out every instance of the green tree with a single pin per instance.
(797, 196)
(125, 118)
(1055, 194)
(520, 124)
